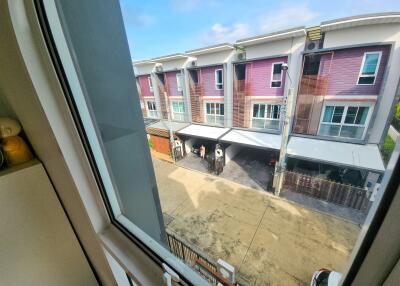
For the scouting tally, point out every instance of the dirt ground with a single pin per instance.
(268, 240)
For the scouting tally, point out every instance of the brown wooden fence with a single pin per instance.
(333, 192)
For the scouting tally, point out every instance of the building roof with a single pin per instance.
(211, 49)
(170, 57)
(253, 139)
(279, 35)
(144, 62)
(166, 125)
(203, 131)
(360, 20)
(357, 156)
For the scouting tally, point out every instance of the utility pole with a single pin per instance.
(286, 112)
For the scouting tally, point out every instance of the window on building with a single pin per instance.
(369, 68)
(178, 110)
(150, 83)
(344, 121)
(151, 109)
(266, 116)
(240, 70)
(215, 113)
(194, 75)
(276, 76)
(179, 81)
(219, 79)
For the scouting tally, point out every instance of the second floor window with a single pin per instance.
(369, 68)
(266, 116)
(219, 79)
(151, 109)
(150, 83)
(179, 81)
(276, 76)
(178, 110)
(344, 121)
(215, 113)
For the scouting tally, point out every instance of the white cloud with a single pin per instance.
(134, 17)
(287, 17)
(220, 33)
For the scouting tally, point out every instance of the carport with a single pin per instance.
(196, 135)
(250, 156)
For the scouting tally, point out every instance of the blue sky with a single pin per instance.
(156, 28)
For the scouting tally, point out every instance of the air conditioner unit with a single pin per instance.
(241, 56)
(313, 45)
(159, 68)
(193, 63)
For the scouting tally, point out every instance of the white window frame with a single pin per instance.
(272, 75)
(376, 70)
(150, 83)
(265, 118)
(174, 114)
(222, 79)
(341, 124)
(215, 113)
(179, 81)
(150, 111)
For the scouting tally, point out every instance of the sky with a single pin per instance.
(157, 28)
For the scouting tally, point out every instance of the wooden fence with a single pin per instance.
(330, 191)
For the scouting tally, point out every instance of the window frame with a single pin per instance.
(215, 115)
(180, 113)
(217, 84)
(150, 83)
(265, 118)
(376, 69)
(179, 82)
(343, 118)
(272, 75)
(148, 110)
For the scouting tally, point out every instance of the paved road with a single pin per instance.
(269, 241)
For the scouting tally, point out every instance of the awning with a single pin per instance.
(352, 155)
(166, 125)
(251, 138)
(203, 131)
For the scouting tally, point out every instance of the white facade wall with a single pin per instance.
(377, 33)
(214, 58)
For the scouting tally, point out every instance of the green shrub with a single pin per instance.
(150, 143)
(388, 147)
(398, 110)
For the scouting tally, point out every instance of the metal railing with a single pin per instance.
(330, 191)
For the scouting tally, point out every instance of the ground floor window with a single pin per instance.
(266, 116)
(151, 109)
(178, 110)
(344, 121)
(215, 113)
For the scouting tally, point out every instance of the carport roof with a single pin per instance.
(203, 131)
(252, 138)
(352, 155)
(165, 125)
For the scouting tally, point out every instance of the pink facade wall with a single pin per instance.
(144, 85)
(172, 84)
(258, 75)
(342, 73)
(207, 80)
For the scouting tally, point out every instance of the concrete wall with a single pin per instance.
(213, 58)
(188, 144)
(231, 151)
(176, 64)
(143, 69)
(379, 33)
(274, 48)
(342, 71)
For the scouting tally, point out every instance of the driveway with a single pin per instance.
(268, 240)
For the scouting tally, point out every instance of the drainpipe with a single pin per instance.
(154, 82)
(228, 90)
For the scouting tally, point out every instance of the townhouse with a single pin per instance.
(335, 84)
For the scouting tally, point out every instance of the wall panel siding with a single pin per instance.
(207, 78)
(172, 85)
(342, 73)
(160, 144)
(144, 85)
(259, 74)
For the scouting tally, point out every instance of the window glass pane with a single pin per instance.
(208, 108)
(268, 115)
(329, 130)
(272, 124)
(366, 80)
(328, 114)
(277, 69)
(179, 81)
(370, 64)
(355, 132)
(256, 109)
(337, 114)
(219, 76)
(212, 108)
(351, 115)
(258, 123)
(262, 110)
(276, 74)
(362, 115)
(275, 113)
(221, 108)
(276, 84)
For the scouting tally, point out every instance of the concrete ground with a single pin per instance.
(268, 240)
